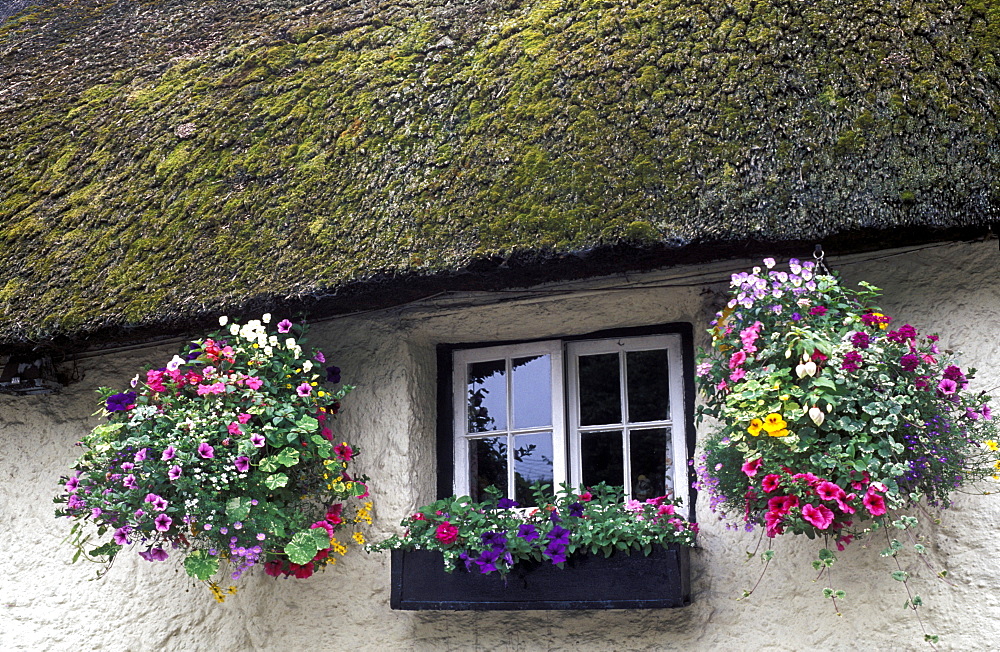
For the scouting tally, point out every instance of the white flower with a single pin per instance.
(266, 318)
(290, 343)
(817, 415)
(223, 320)
(307, 366)
(175, 363)
(134, 381)
(234, 329)
(273, 340)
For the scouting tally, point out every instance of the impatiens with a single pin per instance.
(493, 535)
(223, 454)
(864, 421)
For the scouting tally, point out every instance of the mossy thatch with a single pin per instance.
(166, 159)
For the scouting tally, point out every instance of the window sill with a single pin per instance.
(621, 581)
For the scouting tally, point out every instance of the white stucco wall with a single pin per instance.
(47, 604)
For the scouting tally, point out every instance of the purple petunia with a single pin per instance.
(129, 482)
(168, 453)
(304, 389)
(205, 450)
(909, 362)
(527, 531)
(319, 357)
(242, 463)
(121, 535)
(576, 509)
(495, 540)
(120, 402)
(333, 375)
(154, 554)
(257, 440)
(163, 522)
(284, 326)
(158, 502)
(507, 503)
(174, 472)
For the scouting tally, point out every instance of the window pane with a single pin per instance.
(600, 390)
(487, 466)
(532, 464)
(488, 396)
(602, 458)
(648, 386)
(532, 389)
(652, 469)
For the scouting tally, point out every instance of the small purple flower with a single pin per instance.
(559, 534)
(527, 531)
(284, 326)
(121, 535)
(158, 502)
(319, 357)
(208, 526)
(168, 453)
(333, 375)
(141, 455)
(127, 466)
(796, 316)
(129, 482)
(507, 503)
(96, 512)
(154, 554)
(861, 340)
(72, 484)
(576, 509)
(206, 451)
(174, 472)
(257, 440)
(120, 402)
(495, 540)
(304, 389)
(163, 522)
(139, 514)
(242, 463)
(985, 411)
(909, 362)
(261, 536)
(487, 560)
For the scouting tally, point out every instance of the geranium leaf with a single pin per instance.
(200, 565)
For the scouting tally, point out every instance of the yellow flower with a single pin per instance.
(755, 427)
(321, 393)
(775, 425)
(359, 538)
(992, 445)
(784, 397)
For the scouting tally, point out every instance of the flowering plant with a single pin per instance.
(227, 454)
(492, 536)
(831, 418)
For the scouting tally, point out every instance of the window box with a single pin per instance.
(621, 581)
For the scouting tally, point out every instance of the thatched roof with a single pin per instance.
(167, 160)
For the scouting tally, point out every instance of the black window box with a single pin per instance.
(621, 581)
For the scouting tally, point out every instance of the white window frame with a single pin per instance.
(564, 356)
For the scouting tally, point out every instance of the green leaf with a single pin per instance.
(323, 447)
(238, 508)
(288, 456)
(276, 480)
(900, 576)
(303, 547)
(767, 555)
(307, 424)
(200, 565)
(269, 464)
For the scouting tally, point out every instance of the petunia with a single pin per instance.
(158, 502)
(253, 382)
(507, 503)
(243, 417)
(242, 464)
(234, 428)
(495, 540)
(344, 452)
(750, 467)
(819, 516)
(305, 389)
(129, 482)
(947, 386)
(163, 522)
(333, 375)
(527, 531)
(829, 491)
(284, 326)
(154, 554)
(205, 450)
(121, 535)
(319, 357)
(771, 482)
(874, 503)
(121, 402)
(576, 509)
(257, 440)
(141, 455)
(174, 472)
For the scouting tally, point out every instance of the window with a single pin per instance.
(583, 411)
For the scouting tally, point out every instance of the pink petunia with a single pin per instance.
(819, 516)
(174, 472)
(750, 467)
(253, 382)
(874, 503)
(243, 417)
(168, 453)
(257, 440)
(163, 522)
(242, 463)
(829, 491)
(782, 504)
(284, 326)
(344, 452)
(737, 375)
(947, 386)
(737, 359)
(771, 482)
(234, 428)
(205, 450)
(305, 389)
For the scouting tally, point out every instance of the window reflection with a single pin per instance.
(602, 457)
(600, 389)
(487, 465)
(532, 389)
(488, 396)
(532, 464)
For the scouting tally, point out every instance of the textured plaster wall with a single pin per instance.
(390, 356)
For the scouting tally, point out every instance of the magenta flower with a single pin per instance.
(206, 451)
(737, 359)
(174, 472)
(154, 554)
(253, 382)
(985, 411)
(127, 466)
(234, 429)
(771, 482)
(817, 311)
(158, 502)
(861, 340)
(320, 358)
(750, 467)
(72, 484)
(257, 440)
(129, 482)
(121, 535)
(243, 417)
(141, 455)
(304, 389)
(909, 362)
(852, 361)
(947, 386)
(284, 326)
(829, 491)
(163, 522)
(242, 463)
(821, 517)
(874, 503)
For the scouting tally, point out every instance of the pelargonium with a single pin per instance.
(222, 455)
(492, 536)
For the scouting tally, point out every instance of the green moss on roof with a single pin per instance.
(171, 157)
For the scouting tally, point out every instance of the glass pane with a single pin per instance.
(652, 468)
(602, 458)
(488, 396)
(532, 464)
(487, 466)
(532, 388)
(600, 390)
(648, 386)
